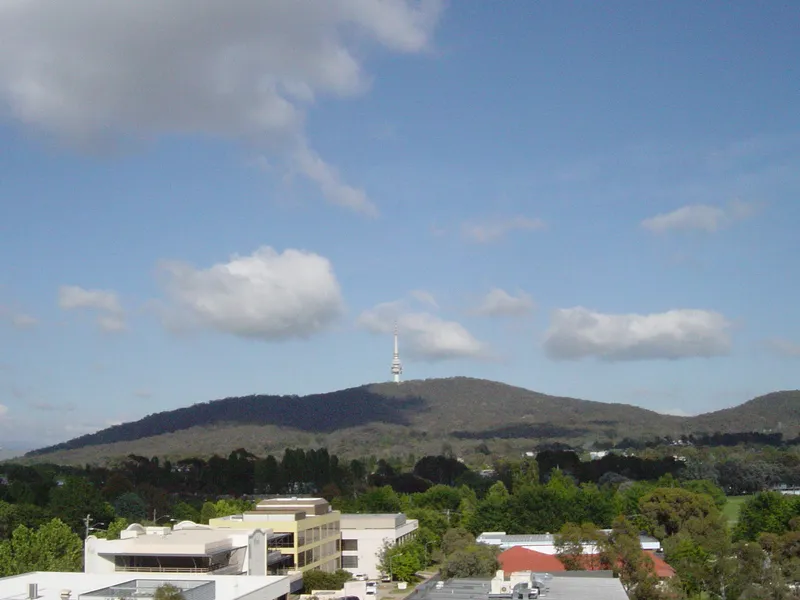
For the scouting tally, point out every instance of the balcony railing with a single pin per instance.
(121, 569)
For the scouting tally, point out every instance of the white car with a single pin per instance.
(361, 577)
(372, 588)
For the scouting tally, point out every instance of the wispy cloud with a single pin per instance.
(783, 347)
(493, 230)
(498, 302)
(110, 316)
(19, 320)
(700, 217)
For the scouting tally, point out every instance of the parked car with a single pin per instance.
(372, 588)
(361, 577)
(386, 578)
(439, 585)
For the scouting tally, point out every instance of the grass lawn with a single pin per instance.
(732, 508)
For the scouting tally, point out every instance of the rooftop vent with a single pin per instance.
(33, 591)
(65, 594)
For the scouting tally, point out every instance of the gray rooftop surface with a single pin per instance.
(560, 588)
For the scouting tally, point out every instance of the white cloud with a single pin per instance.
(577, 333)
(3, 410)
(143, 394)
(86, 71)
(703, 217)
(18, 319)
(267, 295)
(424, 297)
(110, 314)
(498, 302)
(784, 347)
(422, 335)
(491, 231)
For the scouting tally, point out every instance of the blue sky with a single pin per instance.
(589, 199)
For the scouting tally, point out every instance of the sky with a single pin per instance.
(202, 199)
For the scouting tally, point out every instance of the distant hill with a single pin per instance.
(415, 416)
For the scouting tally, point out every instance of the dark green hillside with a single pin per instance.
(778, 412)
(416, 416)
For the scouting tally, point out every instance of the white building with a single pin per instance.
(545, 542)
(187, 549)
(142, 586)
(364, 535)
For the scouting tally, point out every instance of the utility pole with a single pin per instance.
(87, 521)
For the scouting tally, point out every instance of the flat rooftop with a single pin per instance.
(51, 584)
(203, 541)
(560, 588)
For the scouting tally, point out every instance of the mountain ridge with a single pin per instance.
(458, 410)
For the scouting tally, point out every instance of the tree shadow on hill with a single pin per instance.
(318, 413)
(522, 430)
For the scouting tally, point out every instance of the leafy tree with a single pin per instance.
(208, 512)
(116, 485)
(320, 580)
(766, 512)
(77, 498)
(492, 513)
(456, 539)
(51, 547)
(131, 506)
(168, 591)
(115, 528)
(476, 560)
(623, 552)
(183, 511)
(570, 543)
(667, 510)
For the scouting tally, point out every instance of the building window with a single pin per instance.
(349, 545)
(349, 562)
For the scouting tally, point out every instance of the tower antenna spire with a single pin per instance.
(397, 366)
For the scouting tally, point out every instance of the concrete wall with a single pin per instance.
(371, 541)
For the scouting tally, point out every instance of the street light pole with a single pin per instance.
(391, 557)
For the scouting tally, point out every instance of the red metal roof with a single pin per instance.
(524, 559)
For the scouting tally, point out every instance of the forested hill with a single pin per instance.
(414, 416)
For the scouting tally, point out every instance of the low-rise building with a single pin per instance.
(141, 586)
(545, 542)
(528, 586)
(364, 535)
(187, 549)
(306, 531)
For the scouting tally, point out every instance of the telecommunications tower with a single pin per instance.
(397, 366)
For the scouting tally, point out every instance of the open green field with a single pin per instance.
(732, 508)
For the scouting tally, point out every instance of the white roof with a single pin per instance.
(227, 587)
(183, 542)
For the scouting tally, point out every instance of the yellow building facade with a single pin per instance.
(306, 531)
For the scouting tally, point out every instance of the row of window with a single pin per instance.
(349, 562)
(316, 554)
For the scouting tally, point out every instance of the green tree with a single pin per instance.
(456, 539)
(115, 528)
(476, 560)
(77, 498)
(320, 580)
(208, 512)
(667, 510)
(182, 511)
(51, 547)
(765, 512)
(131, 506)
(571, 541)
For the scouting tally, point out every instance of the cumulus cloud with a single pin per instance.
(267, 295)
(246, 69)
(499, 303)
(784, 347)
(702, 217)
(109, 314)
(423, 336)
(491, 231)
(577, 333)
